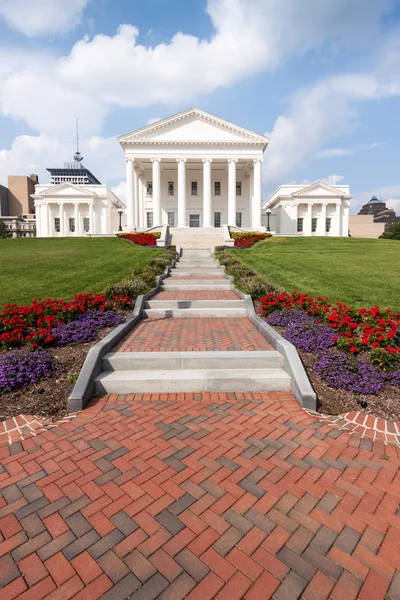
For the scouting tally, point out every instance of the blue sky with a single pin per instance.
(321, 78)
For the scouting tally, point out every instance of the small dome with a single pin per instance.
(374, 200)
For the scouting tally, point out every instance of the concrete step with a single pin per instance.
(201, 264)
(184, 304)
(193, 272)
(199, 284)
(196, 277)
(196, 380)
(189, 266)
(150, 361)
(194, 313)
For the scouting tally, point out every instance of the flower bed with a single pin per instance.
(246, 239)
(141, 239)
(350, 354)
(34, 324)
(353, 330)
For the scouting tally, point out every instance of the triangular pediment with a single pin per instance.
(67, 189)
(318, 189)
(193, 126)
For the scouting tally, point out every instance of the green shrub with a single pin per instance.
(128, 287)
(240, 235)
(383, 359)
(255, 286)
(239, 271)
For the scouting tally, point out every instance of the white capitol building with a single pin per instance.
(190, 171)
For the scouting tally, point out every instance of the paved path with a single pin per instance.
(160, 335)
(200, 496)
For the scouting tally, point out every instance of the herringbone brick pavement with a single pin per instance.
(160, 335)
(205, 496)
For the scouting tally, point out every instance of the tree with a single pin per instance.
(4, 231)
(393, 232)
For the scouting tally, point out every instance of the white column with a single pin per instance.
(49, 221)
(130, 192)
(345, 221)
(322, 227)
(251, 195)
(91, 218)
(307, 221)
(38, 221)
(181, 192)
(257, 194)
(207, 222)
(141, 201)
(62, 219)
(156, 191)
(338, 219)
(136, 195)
(76, 218)
(232, 192)
(295, 215)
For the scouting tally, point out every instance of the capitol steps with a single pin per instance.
(214, 370)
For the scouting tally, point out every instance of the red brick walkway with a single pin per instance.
(202, 496)
(160, 335)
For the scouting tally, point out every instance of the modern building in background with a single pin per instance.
(17, 208)
(76, 203)
(379, 211)
(363, 226)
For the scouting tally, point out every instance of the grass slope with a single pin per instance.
(360, 272)
(61, 267)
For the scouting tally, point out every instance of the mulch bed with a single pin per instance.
(49, 397)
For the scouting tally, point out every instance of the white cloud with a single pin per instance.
(42, 17)
(32, 154)
(321, 113)
(99, 73)
(333, 152)
(153, 120)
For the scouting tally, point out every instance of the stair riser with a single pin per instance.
(185, 304)
(153, 386)
(155, 363)
(194, 286)
(199, 313)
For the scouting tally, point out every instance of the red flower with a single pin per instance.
(353, 349)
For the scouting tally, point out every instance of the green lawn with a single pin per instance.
(361, 272)
(59, 268)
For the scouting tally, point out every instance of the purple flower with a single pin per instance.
(84, 329)
(310, 336)
(99, 319)
(285, 317)
(340, 370)
(19, 368)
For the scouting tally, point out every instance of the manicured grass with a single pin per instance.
(360, 272)
(59, 268)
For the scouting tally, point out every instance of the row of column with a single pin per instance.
(44, 216)
(132, 193)
(321, 227)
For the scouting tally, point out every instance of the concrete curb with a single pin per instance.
(84, 388)
(301, 386)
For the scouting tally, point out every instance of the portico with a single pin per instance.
(193, 170)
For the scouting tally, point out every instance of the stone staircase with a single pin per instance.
(194, 237)
(187, 371)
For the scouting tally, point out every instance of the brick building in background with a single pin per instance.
(379, 211)
(17, 207)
